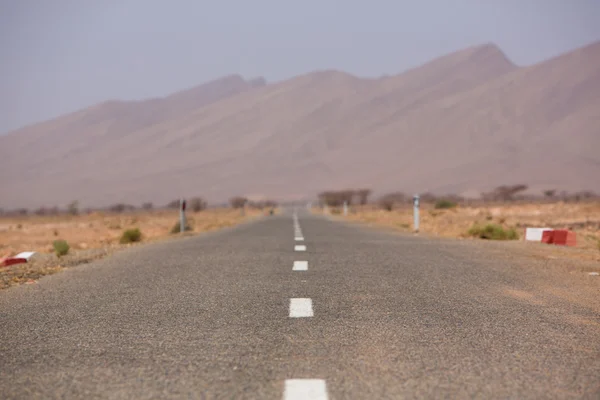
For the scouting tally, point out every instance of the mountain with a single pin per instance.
(467, 121)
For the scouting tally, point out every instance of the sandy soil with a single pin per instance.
(93, 236)
(582, 218)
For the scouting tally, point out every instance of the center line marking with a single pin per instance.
(302, 389)
(300, 266)
(301, 308)
(299, 239)
(300, 247)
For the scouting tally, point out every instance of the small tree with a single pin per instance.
(388, 201)
(147, 206)
(550, 193)
(118, 208)
(238, 202)
(174, 204)
(73, 208)
(197, 204)
(363, 196)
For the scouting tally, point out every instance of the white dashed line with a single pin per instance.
(300, 266)
(300, 247)
(302, 389)
(299, 239)
(301, 308)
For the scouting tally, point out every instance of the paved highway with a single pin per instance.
(296, 308)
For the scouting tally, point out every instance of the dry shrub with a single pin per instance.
(238, 201)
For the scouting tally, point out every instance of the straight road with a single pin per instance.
(245, 314)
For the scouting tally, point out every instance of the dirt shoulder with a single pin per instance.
(582, 218)
(94, 236)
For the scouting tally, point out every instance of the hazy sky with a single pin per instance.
(57, 56)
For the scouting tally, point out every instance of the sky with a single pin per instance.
(63, 55)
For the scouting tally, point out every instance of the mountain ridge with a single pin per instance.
(465, 121)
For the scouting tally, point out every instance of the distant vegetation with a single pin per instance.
(197, 204)
(120, 208)
(238, 202)
(262, 204)
(73, 208)
(444, 204)
(390, 200)
(334, 198)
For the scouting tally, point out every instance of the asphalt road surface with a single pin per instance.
(244, 314)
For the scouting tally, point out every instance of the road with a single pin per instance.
(240, 314)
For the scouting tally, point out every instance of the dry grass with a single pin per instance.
(93, 236)
(98, 230)
(583, 218)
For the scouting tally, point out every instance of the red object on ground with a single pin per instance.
(547, 237)
(561, 237)
(564, 237)
(11, 261)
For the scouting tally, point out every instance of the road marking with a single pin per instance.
(300, 247)
(302, 389)
(300, 266)
(301, 308)
(299, 239)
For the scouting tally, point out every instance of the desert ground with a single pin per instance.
(583, 218)
(94, 235)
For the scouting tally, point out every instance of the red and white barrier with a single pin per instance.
(535, 234)
(561, 237)
(20, 258)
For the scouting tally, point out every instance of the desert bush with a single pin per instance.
(42, 211)
(147, 206)
(388, 201)
(428, 197)
(363, 196)
(387, 204)
(131, 236)
(121, 207)
(177, 227)
(197, 204)
(493, 232)
(73, 207)
(444, 204)
(336, 198)
(61, 247)
(263, 204)
(174, 204)
(238, 201)
(504, 193)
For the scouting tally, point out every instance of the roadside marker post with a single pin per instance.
(182, 216)
(416, 212)
(345, 208)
